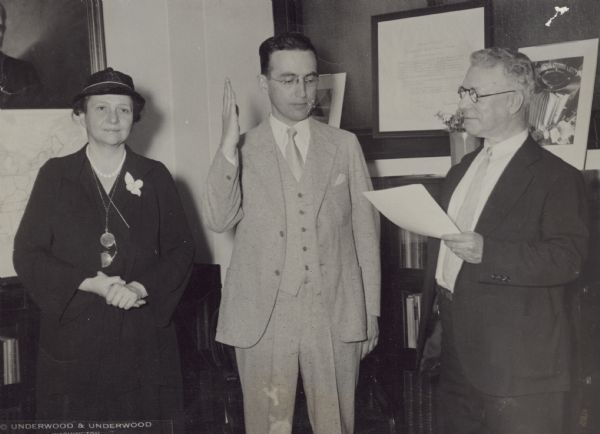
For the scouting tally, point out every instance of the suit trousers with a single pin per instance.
(466, 410)
(298, 339)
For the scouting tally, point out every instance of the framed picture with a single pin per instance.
(330, 96)
(419, 59)
(559, 115)
(48, 49)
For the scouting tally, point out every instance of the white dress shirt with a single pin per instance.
(501, 154)
(302, 137)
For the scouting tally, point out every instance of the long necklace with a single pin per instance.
(107, 239)
(99, 172)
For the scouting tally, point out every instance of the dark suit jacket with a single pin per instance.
(20, 85)
(509, 316)
(86, 344)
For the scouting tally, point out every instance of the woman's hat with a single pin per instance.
(108, 81)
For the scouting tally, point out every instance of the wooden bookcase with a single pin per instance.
(403, 259)
(18, 328)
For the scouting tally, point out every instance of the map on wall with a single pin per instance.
(27, 140)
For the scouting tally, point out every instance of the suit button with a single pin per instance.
(305, 248)
(277, 273)
(301, 212)
(300, 195)
(228, 177)
(306, 267)
(281, 233)
(303, 229)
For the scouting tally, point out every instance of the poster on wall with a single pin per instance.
(559, 115)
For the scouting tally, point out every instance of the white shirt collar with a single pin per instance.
(506, 147)
(302, 137)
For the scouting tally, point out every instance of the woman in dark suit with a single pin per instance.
(105, 251)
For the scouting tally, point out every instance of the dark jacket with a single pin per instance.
(85, 344)
(509, 315)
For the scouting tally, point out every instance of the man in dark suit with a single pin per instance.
(20, 85)
(500, 281)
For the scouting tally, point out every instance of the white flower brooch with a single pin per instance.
(133, 185)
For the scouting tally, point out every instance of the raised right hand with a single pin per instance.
(100, 284)
(230, 135)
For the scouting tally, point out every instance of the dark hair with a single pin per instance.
(283, 41)
(80, 106)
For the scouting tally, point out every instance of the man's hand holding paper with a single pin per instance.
(468, 246)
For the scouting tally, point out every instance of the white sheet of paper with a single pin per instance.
(412, 208)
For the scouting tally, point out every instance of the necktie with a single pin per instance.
(292, 155)
(464, 218)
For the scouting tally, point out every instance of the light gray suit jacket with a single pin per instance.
(250, 198)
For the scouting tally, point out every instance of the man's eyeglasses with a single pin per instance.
(463, 91)
(291, 81)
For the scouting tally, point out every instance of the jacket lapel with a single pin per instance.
(261, 154)
(512, 184)
(454, 176)
(137, 167)
(79, 174)
(323, 151)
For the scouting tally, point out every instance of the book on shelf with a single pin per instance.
(11, 371)
(412, 315)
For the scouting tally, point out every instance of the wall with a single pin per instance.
(179, 52)
(341, 30)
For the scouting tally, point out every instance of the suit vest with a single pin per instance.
(301, 265)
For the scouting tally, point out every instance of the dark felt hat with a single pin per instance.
(108, 81)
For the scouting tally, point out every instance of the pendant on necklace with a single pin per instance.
(106, 259)
(107, 239)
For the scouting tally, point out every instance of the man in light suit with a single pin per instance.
(500, 282)
(302, 291)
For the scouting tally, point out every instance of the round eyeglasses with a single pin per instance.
(289, 82)
(474, 96)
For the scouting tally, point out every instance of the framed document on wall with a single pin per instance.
(419, 59)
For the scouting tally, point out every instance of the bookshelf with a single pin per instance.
(18, 324)
(403, 259)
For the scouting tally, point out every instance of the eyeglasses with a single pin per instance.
(463, 91)
(291, 81)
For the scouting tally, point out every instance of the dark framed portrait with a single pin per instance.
(48, 49)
